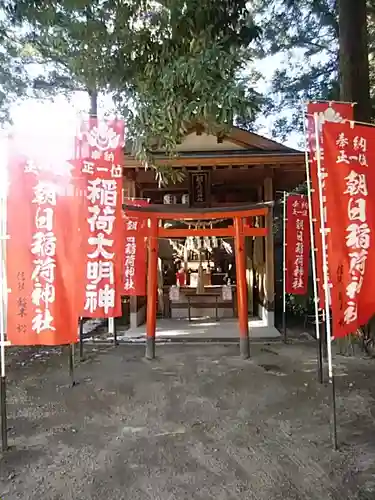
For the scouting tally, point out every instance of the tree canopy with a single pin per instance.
(306, 33)
(167, 63)
(14, 80)
(170, 64)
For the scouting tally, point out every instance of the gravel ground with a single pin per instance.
(196, 423)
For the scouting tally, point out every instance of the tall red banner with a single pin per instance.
(350, 193)
(297, 245)
(328, 112)
(41, 255)
(101, 140)
(135, 252)
(100, 175)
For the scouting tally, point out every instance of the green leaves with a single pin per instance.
(305, 35)
(168, 64)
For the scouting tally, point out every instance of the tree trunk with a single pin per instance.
(354, 65)
(93, 102)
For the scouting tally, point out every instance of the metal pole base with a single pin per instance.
(71, 365)
(150, 348)
(115, 341)
(324, 341)
(81, 356)
(245, 347)
(333, 414)
(4, 422)
(285, 337)
(320, 360)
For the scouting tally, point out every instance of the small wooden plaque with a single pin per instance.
(200, 188)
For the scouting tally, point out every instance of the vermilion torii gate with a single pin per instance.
(240, 228)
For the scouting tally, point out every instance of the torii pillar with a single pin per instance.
(152, 288)
(242, 304)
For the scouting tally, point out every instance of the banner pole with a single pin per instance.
(285, 196)
(4, 420)
(71, 364)
(112, 330)
(326, 288)
(115, 333)
(3, 307)
(313, 260)
(81, 355)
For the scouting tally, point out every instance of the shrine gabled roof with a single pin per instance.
(229, 153)
(236, 141)
(237, 147)
(252, 141)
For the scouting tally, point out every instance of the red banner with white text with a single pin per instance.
(42, 261)
(350, 193)
(101, 140)
(135, 254)
(297, 245)
(100, 154)
(327, 112)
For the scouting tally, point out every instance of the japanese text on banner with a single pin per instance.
(327, 113)
(351, 219)
(135, 251)
(102, 184)
(44, 248)
(297, 245)
(42, 306)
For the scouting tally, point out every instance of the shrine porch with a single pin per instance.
(202, 328)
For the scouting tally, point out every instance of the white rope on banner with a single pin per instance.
(312, 237)
(324, 248)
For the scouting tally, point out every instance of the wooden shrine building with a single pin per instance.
(239, 169)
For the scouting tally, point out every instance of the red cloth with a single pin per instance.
(181, 278)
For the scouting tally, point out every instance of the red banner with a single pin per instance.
(41, 255)
(350, 188)
(100, 149)
(327, 112)
(297, 245)
(135, 255)
(102, 243)
(101, 140)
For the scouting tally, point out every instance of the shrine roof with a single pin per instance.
(234, 147)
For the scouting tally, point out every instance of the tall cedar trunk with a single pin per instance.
(354, 65)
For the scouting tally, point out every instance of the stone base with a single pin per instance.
(138, 318)
(150, 348)
(201, 313)
(245, 347)
(267, 317)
